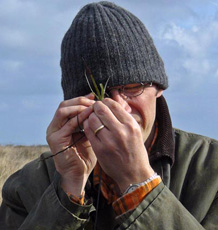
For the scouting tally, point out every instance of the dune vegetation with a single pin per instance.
(12, 158)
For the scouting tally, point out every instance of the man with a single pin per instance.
(117, 163)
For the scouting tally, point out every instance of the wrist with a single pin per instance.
(74, 186)
(133, 187)
(76, 199)
(139, 178)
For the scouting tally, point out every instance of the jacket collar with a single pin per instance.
(164, 146)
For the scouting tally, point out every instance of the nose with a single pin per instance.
(116, 96)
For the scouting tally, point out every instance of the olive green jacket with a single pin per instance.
(186, 199)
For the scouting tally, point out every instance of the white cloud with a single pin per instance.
(197, 66)
(197, 45)
(195, 40)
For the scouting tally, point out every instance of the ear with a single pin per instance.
(159, 92)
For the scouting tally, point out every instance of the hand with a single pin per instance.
(76, 163)
(119, 146)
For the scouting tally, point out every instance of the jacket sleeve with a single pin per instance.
(191, 201)
(162, 210)
(24, 208)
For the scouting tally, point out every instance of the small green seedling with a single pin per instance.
(98, 92)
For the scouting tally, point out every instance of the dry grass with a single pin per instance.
(13, 158)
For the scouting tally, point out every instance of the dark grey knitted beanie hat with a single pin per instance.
(113, 43)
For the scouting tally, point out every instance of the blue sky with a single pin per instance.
(185, 33)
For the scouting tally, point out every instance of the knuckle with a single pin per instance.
(110, 103)
(81, 100)
(121, 133)
(99, 109)
(60, 112)
(62, 104)
(132, 128)
(92, 118)
(114, 106)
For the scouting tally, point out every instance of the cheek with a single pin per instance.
(147, 120)
(147, 112)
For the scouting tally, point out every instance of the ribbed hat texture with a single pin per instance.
(113, 43)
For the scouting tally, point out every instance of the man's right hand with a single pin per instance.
(76, 163)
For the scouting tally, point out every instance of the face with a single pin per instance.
(141, 107)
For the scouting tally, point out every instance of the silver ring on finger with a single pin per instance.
(98, 129)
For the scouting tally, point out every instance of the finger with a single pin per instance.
(62, 116)
(67, 113)
(94, 140)
(119, 112)
(72, 123)
(64, 112)
(96, 125)
(68, 109)
(106, 116)
(83, 100)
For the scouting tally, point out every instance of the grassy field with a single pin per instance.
(13, 158)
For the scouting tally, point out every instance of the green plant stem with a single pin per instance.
(96, 87)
